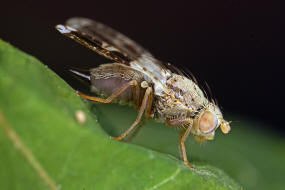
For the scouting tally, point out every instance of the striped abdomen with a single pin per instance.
(107, 78)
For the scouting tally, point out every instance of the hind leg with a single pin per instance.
(112, 96)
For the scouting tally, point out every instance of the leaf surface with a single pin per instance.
(39, 108)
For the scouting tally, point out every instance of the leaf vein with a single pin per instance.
(28, 155)
(171, 177)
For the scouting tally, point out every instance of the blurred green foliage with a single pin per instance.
(40, 107)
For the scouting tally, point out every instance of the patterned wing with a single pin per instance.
(92, 43)
(103, 40)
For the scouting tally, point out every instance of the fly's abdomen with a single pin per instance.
(107, 78)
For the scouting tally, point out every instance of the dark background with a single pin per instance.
(236, 46)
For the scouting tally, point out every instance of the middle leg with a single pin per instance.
(144, 105)
(136, 130)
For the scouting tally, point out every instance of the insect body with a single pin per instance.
(136, 77)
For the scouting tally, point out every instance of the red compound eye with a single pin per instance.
(208, 122)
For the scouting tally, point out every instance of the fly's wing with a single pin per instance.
(111, 37)
(103, 40)
(93, 43)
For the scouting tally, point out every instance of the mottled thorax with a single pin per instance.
(180, 101)
(186, 91)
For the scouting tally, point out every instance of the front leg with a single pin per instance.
(182, 136)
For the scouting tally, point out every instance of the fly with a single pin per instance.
(159, 91)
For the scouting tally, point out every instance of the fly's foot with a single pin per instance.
(188, 164)
(117, 138)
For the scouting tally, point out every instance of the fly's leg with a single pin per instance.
(144, 105)
(147, 115)
(180, 134)
(148, 107)
(112, 96)
(134, 134)
(136, 96)
(182, 138)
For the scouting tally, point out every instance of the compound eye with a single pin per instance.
(208, 122)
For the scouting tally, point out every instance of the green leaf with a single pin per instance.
(43, 146)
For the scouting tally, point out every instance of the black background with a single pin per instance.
(236, 46)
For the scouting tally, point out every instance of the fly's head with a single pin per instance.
(207, 120)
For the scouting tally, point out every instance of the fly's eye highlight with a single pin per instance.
(208, 122)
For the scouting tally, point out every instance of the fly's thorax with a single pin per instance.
(186, 91)
(179, 102)
(172, 111)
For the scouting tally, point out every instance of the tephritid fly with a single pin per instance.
(136, 77)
